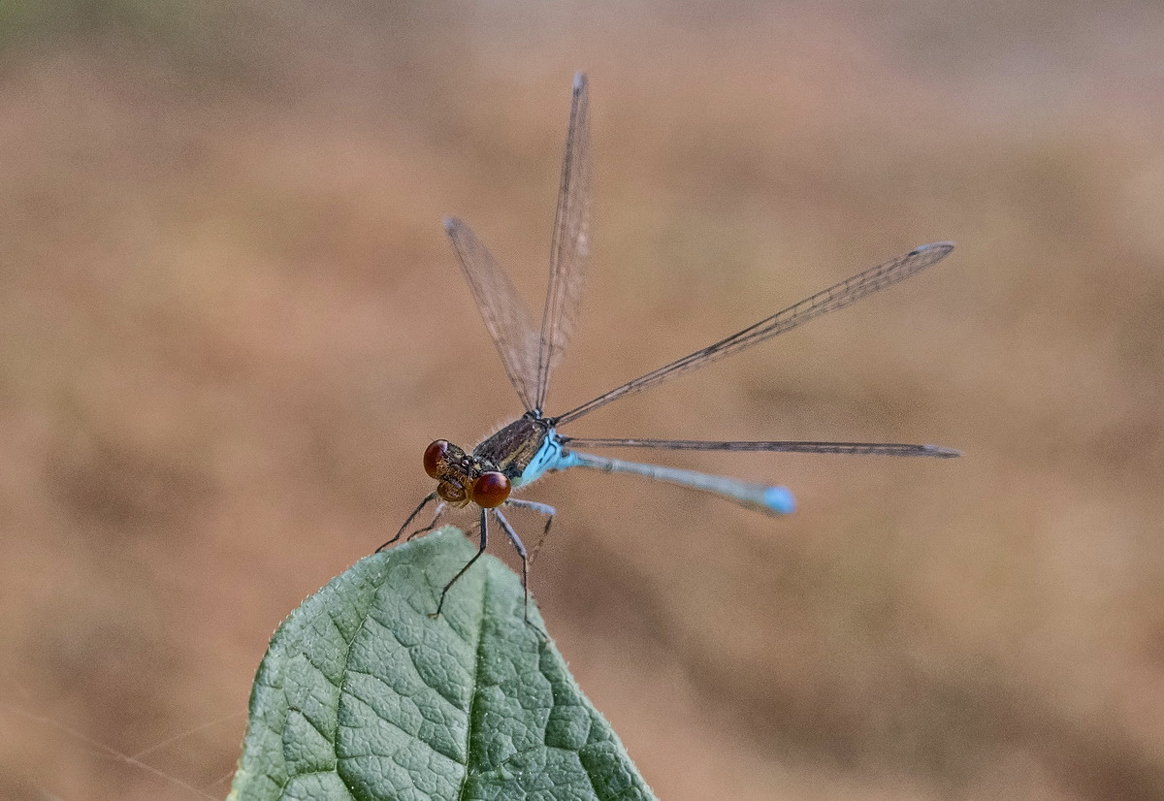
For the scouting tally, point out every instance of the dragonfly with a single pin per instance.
(531, 446)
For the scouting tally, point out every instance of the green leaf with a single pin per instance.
(362, 695)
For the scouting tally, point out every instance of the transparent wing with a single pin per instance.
(503, 311)
(835, 297)
(771, 446)
(571, 241)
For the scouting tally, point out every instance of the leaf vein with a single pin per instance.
(411, 734)
(475, 694)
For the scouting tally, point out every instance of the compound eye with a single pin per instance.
(490, 489)
(434, 456)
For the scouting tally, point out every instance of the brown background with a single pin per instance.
(230, 322)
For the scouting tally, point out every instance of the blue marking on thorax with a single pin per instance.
(551, 456)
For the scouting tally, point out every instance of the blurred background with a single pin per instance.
(230, 323)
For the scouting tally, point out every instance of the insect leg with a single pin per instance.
(440, 510)
(543, 509)
(520, 547)
(427, 500)
(469, 564)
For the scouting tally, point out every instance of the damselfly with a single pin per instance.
(531, 446)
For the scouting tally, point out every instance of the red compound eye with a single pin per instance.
(490, 489)
(434, 456)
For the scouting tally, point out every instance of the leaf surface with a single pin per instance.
(363, 696)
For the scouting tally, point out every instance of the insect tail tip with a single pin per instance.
(780, 500)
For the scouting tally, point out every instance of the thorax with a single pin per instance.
(512, 449)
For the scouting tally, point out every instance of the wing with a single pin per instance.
(501, 308)
(835, 297)
(777, 446)
(571, 241)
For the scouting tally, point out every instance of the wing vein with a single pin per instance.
(771, 446)
(835, 297)
(571, 241)
(506, 317)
